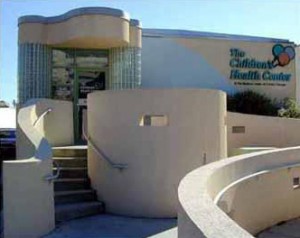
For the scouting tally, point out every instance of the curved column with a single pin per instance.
(125, 62)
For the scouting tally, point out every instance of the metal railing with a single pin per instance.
(101, 153)
(49, 177)
(52, 177)
(42, 116)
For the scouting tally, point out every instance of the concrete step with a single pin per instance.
(70, 151)
(71, 161)
(71, 172)
(68, 184)
(75, 196)
(68, 212)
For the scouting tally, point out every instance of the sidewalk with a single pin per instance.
(116, 227)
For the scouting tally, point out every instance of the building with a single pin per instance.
(65, 57)
(143, 143)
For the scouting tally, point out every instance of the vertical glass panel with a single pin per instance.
(98, 59)
(34, 71)
(125, 68)
(62, 57)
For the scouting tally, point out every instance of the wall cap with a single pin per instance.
(210, 35)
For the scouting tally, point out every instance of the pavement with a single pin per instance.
(289, 229)
(111, 226)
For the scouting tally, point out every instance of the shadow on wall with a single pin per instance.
(177, 66)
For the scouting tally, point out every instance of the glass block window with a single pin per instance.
(44, 72)
(34, 69)
(124, 68)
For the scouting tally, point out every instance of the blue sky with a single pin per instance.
(269, 18)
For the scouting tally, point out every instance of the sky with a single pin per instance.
(269, 18)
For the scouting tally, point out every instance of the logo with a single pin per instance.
(282, 55)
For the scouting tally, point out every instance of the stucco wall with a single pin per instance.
(157, 157)
(263, 199)
(255, 190)
(297, 71)
(205, 63)
(57, 126)
(262, 131)
(28, 200)
(79, 31)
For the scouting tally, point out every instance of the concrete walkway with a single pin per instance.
(116, 227)
(289, 229)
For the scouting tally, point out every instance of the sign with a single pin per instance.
(89, 81)
(251, 70)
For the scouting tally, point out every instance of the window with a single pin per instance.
(296, 182)
(238, 129)
(154, 120)
(66, 62)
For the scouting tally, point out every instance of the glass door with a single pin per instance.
(87, 81)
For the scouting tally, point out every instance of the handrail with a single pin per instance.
(42, 116)
(100, 153)
(51, 177)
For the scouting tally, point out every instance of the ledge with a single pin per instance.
(76, 12)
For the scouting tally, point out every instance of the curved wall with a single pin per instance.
(157, 156)
(255, 191)
(263, 199)
(93, 27)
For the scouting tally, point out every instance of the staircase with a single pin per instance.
(74, 197)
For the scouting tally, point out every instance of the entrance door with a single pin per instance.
(87, 81)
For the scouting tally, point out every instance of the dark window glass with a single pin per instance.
(98, 59)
